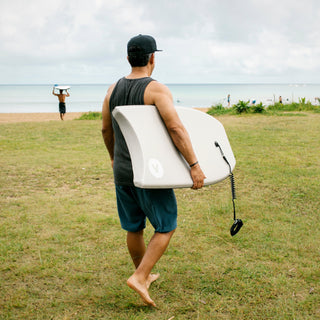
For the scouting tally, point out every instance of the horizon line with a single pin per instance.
(168, 83)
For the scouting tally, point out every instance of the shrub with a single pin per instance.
(302, 105)
(258, 108)
(241, 107)
(306, 105)
(302, 101)
(218, 109)
(276, 106)
(91, 116)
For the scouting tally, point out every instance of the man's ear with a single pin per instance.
(152, 58)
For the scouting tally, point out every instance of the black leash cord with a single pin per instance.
(237, 224)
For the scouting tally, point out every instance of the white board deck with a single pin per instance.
(156, 161)
(62, 87)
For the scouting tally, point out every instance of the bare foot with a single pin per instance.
(142, 289)
(152, 277)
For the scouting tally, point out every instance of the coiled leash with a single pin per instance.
(237, 224)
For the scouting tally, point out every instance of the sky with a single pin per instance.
(203, 41)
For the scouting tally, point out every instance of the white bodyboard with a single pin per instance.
(155, 160)
(62, 87)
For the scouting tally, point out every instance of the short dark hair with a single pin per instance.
(139, 60)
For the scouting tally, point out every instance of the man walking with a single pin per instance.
(136, 204)
(62, 101)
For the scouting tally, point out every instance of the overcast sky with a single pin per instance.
(204, 41)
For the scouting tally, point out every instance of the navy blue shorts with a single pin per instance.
(62, 107)
(136, 204)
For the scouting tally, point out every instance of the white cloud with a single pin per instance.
(203, 41)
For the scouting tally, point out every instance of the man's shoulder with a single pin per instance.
(110, 89)
(157, 92)
(156, 84)
(157, 87)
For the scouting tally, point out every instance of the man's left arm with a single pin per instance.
(107, 130)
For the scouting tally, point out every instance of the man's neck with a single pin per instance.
(139, 72)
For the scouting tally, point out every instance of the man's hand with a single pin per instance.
(197, 176)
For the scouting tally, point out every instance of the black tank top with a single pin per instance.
(126, 92)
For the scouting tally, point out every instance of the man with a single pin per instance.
(134, 203)
(280, 100)
(62, 101)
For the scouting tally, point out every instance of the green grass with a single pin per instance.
(63, 254)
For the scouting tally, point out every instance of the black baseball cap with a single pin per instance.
(142, 44)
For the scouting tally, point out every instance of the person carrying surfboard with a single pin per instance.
(62, 101)
(136, 204)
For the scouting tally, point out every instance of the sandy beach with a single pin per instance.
(39, 117)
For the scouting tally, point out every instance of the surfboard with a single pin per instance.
(62, 87)
(156, 161)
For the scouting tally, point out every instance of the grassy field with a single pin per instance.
(64, 256)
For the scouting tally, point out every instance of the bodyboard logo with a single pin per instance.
(155, 168)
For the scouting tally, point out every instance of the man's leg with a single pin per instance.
(137, 249)
(136, 246)
(139, 280)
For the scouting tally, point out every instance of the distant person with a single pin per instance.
(62, 101)
(280, 99)
(228, 99)
(136, 204)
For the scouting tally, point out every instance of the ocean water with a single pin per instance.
(84, 98)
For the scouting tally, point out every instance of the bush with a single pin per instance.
(218, 110)
(241, 107)
(91, 116)
(302, 105)
(276, 108)
(306, 105)
(258, 108)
